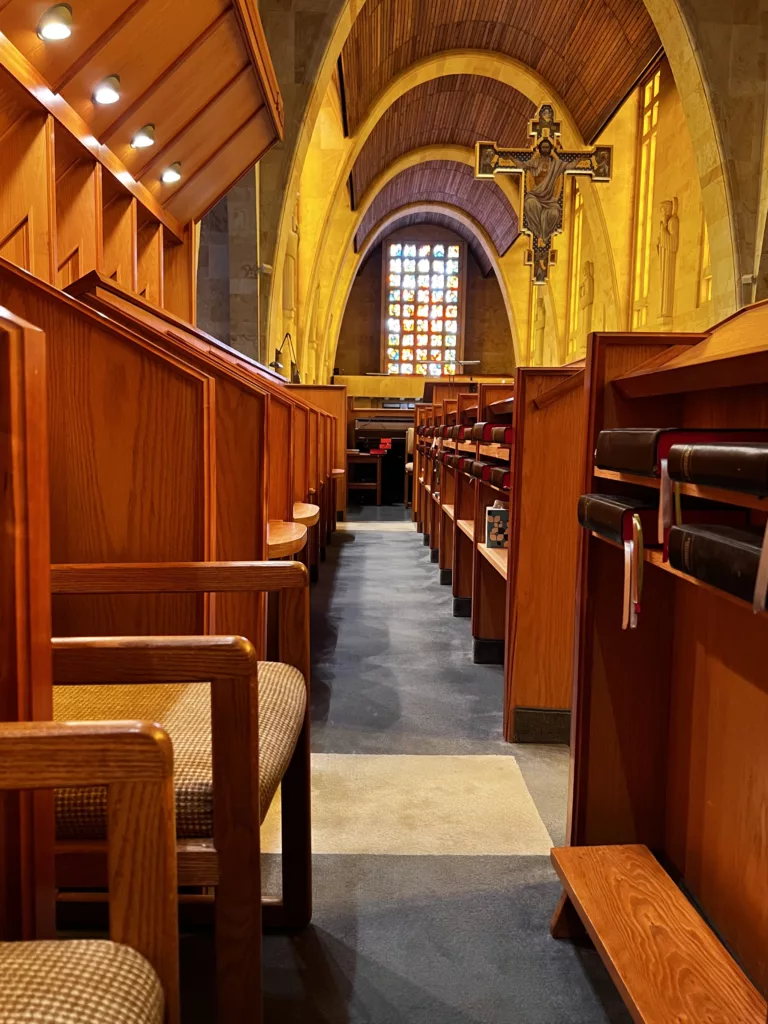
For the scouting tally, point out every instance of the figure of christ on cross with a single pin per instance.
(543, 167)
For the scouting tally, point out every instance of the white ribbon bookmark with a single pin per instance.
(666, 501)
(633, 575)
(761, 581)
(626, 608)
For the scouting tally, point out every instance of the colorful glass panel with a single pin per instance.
(422, 308)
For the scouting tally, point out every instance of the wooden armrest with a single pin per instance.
(151, 659)
(41, 755)
(177, 577)
(135, 761)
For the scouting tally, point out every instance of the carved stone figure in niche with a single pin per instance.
(667, 245)
(539, 329)
(587, 295)
(291, 275)
(543, 168)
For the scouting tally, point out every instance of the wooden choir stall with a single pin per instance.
(518, 443)
(158, 486)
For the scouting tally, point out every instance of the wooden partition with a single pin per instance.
(26, 864)
(543, 546)
(333, 399)
(152, 459)
(287, 409)
(670, 718)
(27, 167)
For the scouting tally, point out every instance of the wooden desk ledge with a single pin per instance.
(498, 558)
(305, 513)
(666, 962)
(285, 538)
(466, 526)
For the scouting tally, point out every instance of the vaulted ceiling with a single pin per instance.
(442, 220)
(453, 110)
(198, 71)
(592, 52)
(445, 181)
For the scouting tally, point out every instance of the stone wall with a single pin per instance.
(487, 336)
(227, 279)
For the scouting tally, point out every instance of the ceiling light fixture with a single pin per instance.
(171, 174)
(144, 137)
(108, 91)
(56, 23)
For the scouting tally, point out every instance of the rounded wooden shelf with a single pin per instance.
(338, 472)
(285, 538)
(305, 513)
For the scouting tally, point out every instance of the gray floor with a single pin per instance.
(424, 939)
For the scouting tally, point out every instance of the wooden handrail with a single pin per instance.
(155, 659)
(177, 577)
(135, 761)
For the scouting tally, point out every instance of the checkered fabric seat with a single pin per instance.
(79, 982)
(184, 711)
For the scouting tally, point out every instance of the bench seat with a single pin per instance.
(668, 965)
(184, 711)
(87, 981)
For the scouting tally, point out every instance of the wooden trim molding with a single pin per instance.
(258, 50)
(17, 65)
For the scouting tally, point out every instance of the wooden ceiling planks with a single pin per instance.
(591, 51)
(441, 220)
(445, 181)
(454, 110)
(200, 72)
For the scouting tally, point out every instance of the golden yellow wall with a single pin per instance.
(540, 317)
(676, 177)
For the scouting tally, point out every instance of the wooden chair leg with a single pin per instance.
(295, 795)
(235, 730)
(295, 911)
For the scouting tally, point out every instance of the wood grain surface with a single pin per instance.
(667, 964)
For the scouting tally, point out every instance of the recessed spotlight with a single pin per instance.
(171, 174)
(108, 91)
(56, 23)
(144, 137)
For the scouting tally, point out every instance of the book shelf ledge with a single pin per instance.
(466, 526)
(692, 490)
(448, 509)
(461, 446)
(497, 557)
(655, 557)
(496, 451)
(666, 962)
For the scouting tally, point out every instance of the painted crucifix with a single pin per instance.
(543, 167)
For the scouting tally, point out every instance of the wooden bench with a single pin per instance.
(669, 718)
(664, 959)
(161, 595)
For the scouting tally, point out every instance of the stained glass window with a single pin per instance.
(422, 308)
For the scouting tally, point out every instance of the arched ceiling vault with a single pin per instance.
(440, 219)
(445, 181)
(591, 51)
(456, 109)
